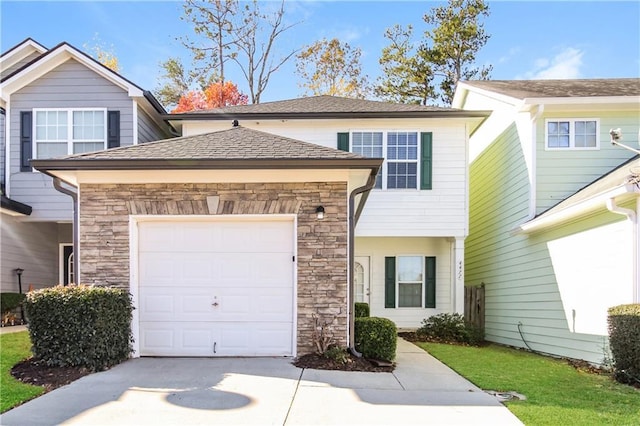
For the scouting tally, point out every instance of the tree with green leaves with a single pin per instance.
(445, 54)
(407, 75)
(329, 67)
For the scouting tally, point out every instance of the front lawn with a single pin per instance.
(557, 393)
(14, 347)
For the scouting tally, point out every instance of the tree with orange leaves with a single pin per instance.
(215, 96)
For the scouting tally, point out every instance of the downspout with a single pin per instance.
(57, 184)
(633, 217)
(353, 220)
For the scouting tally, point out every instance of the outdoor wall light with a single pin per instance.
(320, 212)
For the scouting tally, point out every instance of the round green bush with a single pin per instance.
(376, 338)
(361, 310)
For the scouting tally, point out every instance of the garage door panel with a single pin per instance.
(222, 284)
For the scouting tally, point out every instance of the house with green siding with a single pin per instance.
(553, 225)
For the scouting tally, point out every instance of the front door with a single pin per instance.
(361, 278)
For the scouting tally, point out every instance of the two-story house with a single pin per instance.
(56, 102)
(234, 238)
(554, 210)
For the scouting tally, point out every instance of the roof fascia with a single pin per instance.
(47, 166)
(510, 100)
(14, 208)
(553, 218)
(325, 115)
(635, 100)
(20, 51)
(56, 57)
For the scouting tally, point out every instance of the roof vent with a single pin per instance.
(235, 123)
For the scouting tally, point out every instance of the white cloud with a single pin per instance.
(565, 65)
(510, 54)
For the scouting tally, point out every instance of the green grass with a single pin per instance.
(14, 347)
(557, 393)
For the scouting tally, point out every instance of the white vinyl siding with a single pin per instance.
(565, 133)
(60, 132)
(439, 212)
(377, 249)
(70, 86)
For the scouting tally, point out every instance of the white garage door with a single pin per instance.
(221, 288)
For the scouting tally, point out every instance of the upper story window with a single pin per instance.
(401, 151)
(572, 134)
(59, 132)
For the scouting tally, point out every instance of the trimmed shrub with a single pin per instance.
(376, 338)
(80, 325)
(450, 328)
(361, 310)
(624, 340)
(10, 301)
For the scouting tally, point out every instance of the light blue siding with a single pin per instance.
(32, 246)
(148, 130)
(70, 85)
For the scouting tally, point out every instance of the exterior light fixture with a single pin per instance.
(616, 137)
(320, 212)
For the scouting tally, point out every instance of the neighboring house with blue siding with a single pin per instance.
(56, 102)
(554, 210)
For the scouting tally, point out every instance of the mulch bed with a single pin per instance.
(34, 373)
(352, 363)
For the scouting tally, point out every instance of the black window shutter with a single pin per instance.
(430, 282)
(426, 160)
(389, 282)
(343, 141)
(26, 122)
(113, 129)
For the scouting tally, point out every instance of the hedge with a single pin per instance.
(361, 310)
(624, 324)
(376, 338)
(10, 301)
(80, 325)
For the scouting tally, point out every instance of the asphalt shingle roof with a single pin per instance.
(321, 104)
(237, 143)
(522, 89)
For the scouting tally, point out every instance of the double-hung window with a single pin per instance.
(406, 164)
(572, 134)
(410, 282)
(60, 132)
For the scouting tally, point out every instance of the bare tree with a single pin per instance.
(256, 39)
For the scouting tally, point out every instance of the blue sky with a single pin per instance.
(543, 39)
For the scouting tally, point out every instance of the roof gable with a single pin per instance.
(20, 51)
(56, 56)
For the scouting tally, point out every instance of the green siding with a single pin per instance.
(562, 173)
(516, 269)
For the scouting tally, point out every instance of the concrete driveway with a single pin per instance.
(265, 391)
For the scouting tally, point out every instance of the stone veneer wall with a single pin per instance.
(322, 245)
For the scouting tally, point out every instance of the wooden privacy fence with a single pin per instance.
(474, 305)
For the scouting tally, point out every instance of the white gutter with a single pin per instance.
(7, 149)
(633, 217)
(576, 209)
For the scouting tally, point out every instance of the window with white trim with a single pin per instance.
(60, 132)
(572, 134)
(409, 275)
(400, 150)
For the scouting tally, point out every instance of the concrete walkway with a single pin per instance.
(265, 391)
(12, 329)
